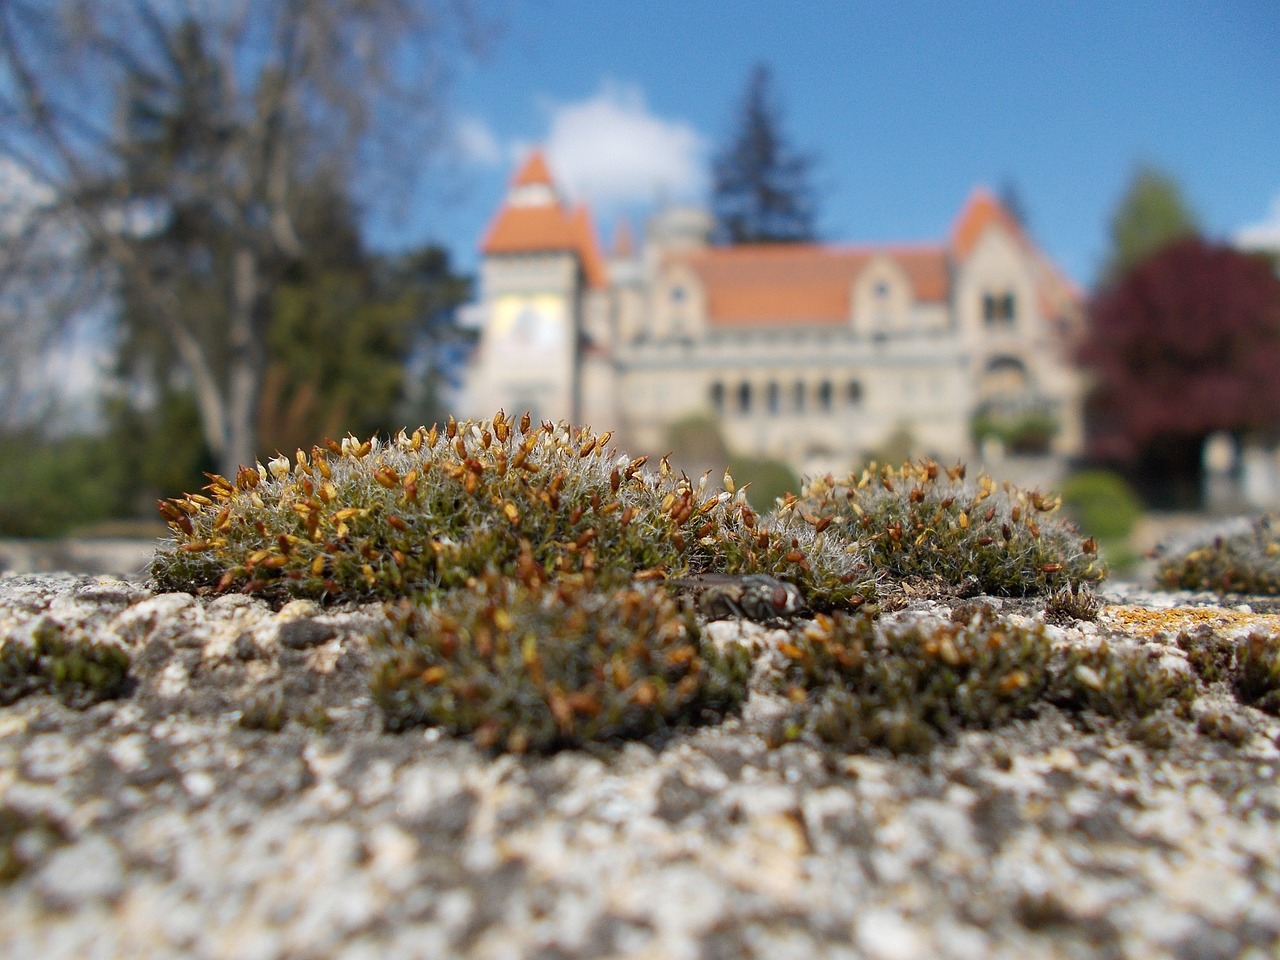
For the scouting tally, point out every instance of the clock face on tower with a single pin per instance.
(530, 325)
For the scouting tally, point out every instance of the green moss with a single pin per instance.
(265, 711)
(926, 523)
(1119, 681)
(903, 686)
(80, 673)
(539, 669)
(426, 513)
(1257, 674)
(1244, 562)
(23, 837)
(1072, 602)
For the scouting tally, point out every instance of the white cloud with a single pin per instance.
(611, 151)
(1264, 235)
(477, 143)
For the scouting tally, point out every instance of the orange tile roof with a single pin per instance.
(803, 283)
(534, 170)
(545, 227)
(979, 212)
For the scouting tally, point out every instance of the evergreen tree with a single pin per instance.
(1151, 215)
(761, 191)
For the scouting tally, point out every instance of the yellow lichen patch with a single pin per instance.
(1142, 622)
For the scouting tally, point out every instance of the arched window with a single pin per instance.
(798, 391)
(744, 397)
(772, 397)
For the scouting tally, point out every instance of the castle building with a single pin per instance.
(815, 354)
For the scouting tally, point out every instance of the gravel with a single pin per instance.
(163, 824)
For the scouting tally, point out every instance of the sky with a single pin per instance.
(906, 107)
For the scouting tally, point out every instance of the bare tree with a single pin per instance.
(177, 138)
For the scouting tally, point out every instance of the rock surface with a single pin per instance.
(243, 802)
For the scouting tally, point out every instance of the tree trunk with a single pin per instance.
(247, 362)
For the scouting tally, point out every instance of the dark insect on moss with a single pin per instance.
(426, 513)
(539, 669)
(1247, 561)
(80, 673)
(926, 523)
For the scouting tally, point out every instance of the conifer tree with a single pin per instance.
(1151, 214)
(760, 186)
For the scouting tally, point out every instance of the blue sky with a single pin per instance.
(906, 107)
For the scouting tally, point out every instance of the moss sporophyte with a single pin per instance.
(529, 566)
(431, 511)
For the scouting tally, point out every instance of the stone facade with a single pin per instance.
(818, 355)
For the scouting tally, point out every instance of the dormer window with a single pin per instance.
(999, 309)
(678, 294)
(881, 290)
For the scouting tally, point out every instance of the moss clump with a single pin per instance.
(1073, 602)
(24, 837)
(428, 512)
(529, 669)
(924, 523)
(1243, 562)
(78, 672)
(1257, 675)
(1119, 682)
(903, 686)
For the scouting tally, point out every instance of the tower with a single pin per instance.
(539, 263)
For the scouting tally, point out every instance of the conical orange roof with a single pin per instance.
(543, 224)
(532, 171)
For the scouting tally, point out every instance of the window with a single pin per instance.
(853, 393)
(744, 397)
(678, 294)
(717, 397)
(881, 289)
(772, 397)
(797, 396)
(824, 395)
(998, 309)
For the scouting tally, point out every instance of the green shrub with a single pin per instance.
(51, 487)
(1102, 503)
(920, 521)
(768, 480)
(427, 513)
(523, 668)
(1244, 562)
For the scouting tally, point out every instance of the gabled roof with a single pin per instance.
(980, 211)
(763, 284)
(543, 224)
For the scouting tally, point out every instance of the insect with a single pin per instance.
(751, 596)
